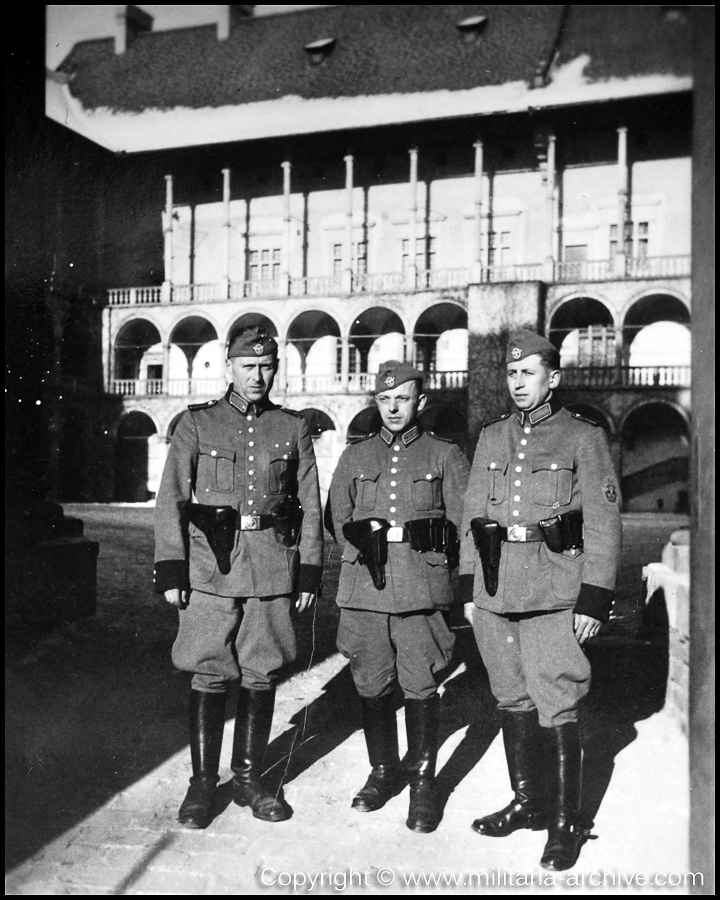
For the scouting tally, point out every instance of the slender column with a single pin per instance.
(227, 233)
(411, 273)
(553, 200)
(166, 367)
(477, 256)
(168, 238)
(622, 215)
(347, 272)
(282, 365)
(344, 363)
(285, 266)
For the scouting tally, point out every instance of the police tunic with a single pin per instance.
(399, 478)
(252, 457)
(532, 466)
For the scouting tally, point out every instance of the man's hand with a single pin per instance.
(585, 627)
(304, 602)
(468, 612)
(176, 597)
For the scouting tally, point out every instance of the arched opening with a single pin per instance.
(375, 336)
(584, 333)
(313, 353)
(200, 368)
(132, 458)
(132, 343)
(656, 335)
(655, 460)
(440, 339)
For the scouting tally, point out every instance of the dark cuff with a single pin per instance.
(594, 601)
(169, 574)
(467, 588)
(310, 579)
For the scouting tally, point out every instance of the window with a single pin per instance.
(424, 253)
(264, 264)
(636, 241)
(576, 253)
(359, 258)
(499, 248)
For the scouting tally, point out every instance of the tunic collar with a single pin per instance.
(540, 413)
(407, 437)
(245, 406)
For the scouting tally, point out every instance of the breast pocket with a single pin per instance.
(216, 468)
(426, 489)
(282, 472)
(366, 486)
(552, 481)
(497, 480)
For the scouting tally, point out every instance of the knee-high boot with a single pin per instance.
(565, 834)
(422, 720)
(525, 755)
(207, 722)
(252, 732)
(381, 737)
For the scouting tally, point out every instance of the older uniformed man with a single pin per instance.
(238, 534)
(539, 558)
(394, 507)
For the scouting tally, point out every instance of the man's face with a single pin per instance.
(400, 406)
(252, 376)
(530, 383)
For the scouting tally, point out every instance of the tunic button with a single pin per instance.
(393, 484)
(492, 465)
(393, 509)
(213, 453)
(393, 496)
(251, 430)
(518, 468)
(521, 456)
(516, 512)
(250, 502)
(251, 443)
(394, 459)
(392, 522)
(251, 471)
(511, 639)
(393, 471)
(249, 418)
(523, 441)
(428, 477)
(518, 483)
(516, 498)
(251, 487)
(527, 430)
(396, 447)
(251, 458)
(556, 505)
(553, 466)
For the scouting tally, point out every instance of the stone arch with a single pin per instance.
(134, 338)
(583, 330)
(134, 461)
(655, 460)
(377, 334)
(440, 338)
(656, 337)
(311, 351)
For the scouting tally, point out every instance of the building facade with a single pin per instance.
(400, 181)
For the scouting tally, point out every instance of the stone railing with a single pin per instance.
(613, 377)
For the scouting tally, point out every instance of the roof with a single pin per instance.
(379, 52)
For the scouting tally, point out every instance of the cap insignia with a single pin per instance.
(390, 380)
(516, 353)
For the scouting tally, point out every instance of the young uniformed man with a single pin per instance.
(541, 545)
(238, 534)
(394, 507)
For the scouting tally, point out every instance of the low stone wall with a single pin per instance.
(667, 604)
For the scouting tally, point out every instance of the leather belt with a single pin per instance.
(520, 534)
(256, 523)
(396, 534)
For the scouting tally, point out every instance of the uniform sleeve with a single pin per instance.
(602, 526)
(341, 499)
(311, 535)
(474, 505)
(455, 482)
(176, 487)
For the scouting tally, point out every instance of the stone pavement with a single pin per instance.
(97, 765)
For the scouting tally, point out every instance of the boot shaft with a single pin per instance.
(380, 728)
(422, 721)
(207, 723)
(253, 723)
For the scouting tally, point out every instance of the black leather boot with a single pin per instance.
(565, 834)
(421, 720)
(252, 731)
(381, 737)
(525, 755)
(207, 722)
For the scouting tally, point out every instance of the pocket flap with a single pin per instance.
(207, 449)
(541, 463)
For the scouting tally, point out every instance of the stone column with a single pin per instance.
(168, 238)
(477, 255)
(411, 272)
(623, 220)
(227, 234)
(347, 271)
(287, 221)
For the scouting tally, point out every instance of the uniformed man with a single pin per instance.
(539, 557)
(394, 507)
(238, 534)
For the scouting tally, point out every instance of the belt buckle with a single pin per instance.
(395, 534)
(517, 533)
(249, 523)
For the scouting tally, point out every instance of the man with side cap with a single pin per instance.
(238, 538)
(540, 550)
(394, 507)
